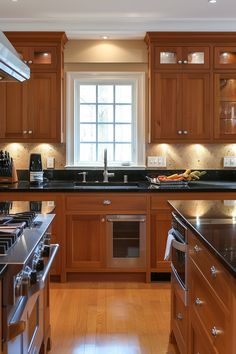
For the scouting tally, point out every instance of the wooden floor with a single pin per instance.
(110, 318)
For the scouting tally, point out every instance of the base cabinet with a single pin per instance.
(85, 242)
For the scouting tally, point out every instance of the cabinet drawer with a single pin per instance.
(179, 319)
(199, 343)
(211, 269)
(106, 202)
(208, 309)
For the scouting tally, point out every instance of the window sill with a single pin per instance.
(79, 167)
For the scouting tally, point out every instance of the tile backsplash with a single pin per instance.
(178, 156)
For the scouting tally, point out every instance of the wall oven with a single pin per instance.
(126, 241)
(179, 256)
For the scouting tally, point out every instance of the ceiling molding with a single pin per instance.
(116, 27)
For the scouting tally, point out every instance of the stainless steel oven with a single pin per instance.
(179, 256)
(126, 241)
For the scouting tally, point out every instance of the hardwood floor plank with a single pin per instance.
(110, 318)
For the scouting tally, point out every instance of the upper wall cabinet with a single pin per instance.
(181, 58)
(33, 110)
(192, 87)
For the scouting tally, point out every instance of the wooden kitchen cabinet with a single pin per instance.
(86, 243)
(225, 106)
(225, 57)
(180, 107)
(181, 57)
(33, 110)
(211, 310)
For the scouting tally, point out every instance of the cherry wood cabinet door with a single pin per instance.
(167, 57)
(165, 106)
(195, 58)
(225, 58)
(160, 225)
(225, 106)
(196, 111)
(13, 118)
(85, 242)
(43, 120)
(39, 58)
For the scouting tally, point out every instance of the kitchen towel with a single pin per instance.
(170, 238)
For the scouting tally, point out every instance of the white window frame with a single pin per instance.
(138, 79)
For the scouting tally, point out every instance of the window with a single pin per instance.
(105, 111)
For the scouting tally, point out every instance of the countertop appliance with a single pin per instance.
(36, 169)
(28, 255)
(7, 168)
(11, 66)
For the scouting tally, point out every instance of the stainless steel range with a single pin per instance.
(26, 250)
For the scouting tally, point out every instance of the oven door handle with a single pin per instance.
(53, 251)
(178, 221)
(15, 329)
(179, 246)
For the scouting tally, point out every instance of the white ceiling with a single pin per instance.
(117, 18)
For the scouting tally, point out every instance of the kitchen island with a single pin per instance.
(206, 323)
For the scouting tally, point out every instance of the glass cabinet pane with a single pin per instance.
(227, 106)
(196, 58)
(227, 57)
(42, 57)
(126, 239)
(168, 58)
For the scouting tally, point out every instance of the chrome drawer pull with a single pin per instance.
(107, 202)
(215, 332)
(198, 302)
(214, 271)
(180, 62)
(180, 132)
(196, 249)
(185, 62)
(179, 316)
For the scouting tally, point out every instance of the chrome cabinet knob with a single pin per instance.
(30, 131)
(107, 202)
(198, 302)
(185, 132)
(185, 62)
(215, 332)
(179, 316)
(102, 219)
(30, 61)
(24, 131)
(180, 132)
(196, 248)
(213, 271)
(180, 62)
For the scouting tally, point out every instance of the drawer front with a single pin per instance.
(208, 309)
(213, 271)
(198, 341)
(106, 202)
(179, 320)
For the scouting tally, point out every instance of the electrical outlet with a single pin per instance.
(156, 161)
(229, 161)
(50, 162)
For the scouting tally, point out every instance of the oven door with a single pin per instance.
(25, 330)
(179, 266)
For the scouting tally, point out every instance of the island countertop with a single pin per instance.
(214, 223)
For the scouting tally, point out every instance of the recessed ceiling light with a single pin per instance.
(105, 37)
(14, 0)
(212, 1)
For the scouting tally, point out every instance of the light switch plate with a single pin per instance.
(50, 162)
(156, 161)
(230, 161)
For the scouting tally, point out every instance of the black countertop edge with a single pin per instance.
(3, 268)
(144, 187)
(208, 245)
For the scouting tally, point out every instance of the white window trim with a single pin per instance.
(139, 78)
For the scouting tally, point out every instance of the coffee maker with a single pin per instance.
(36, 169)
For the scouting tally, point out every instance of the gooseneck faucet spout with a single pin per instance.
(106, 174)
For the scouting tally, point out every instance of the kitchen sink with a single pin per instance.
(107, 185)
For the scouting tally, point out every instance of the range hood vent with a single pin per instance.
(12, 68)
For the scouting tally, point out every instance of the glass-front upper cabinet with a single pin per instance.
(39, 57)
(225, 58)
(184, 58)
(225, 106)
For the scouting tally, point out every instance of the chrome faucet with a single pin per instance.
(106, 174)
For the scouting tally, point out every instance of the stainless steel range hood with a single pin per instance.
(12, 68)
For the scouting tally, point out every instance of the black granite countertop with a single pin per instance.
(214, 222)
(135, 186)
